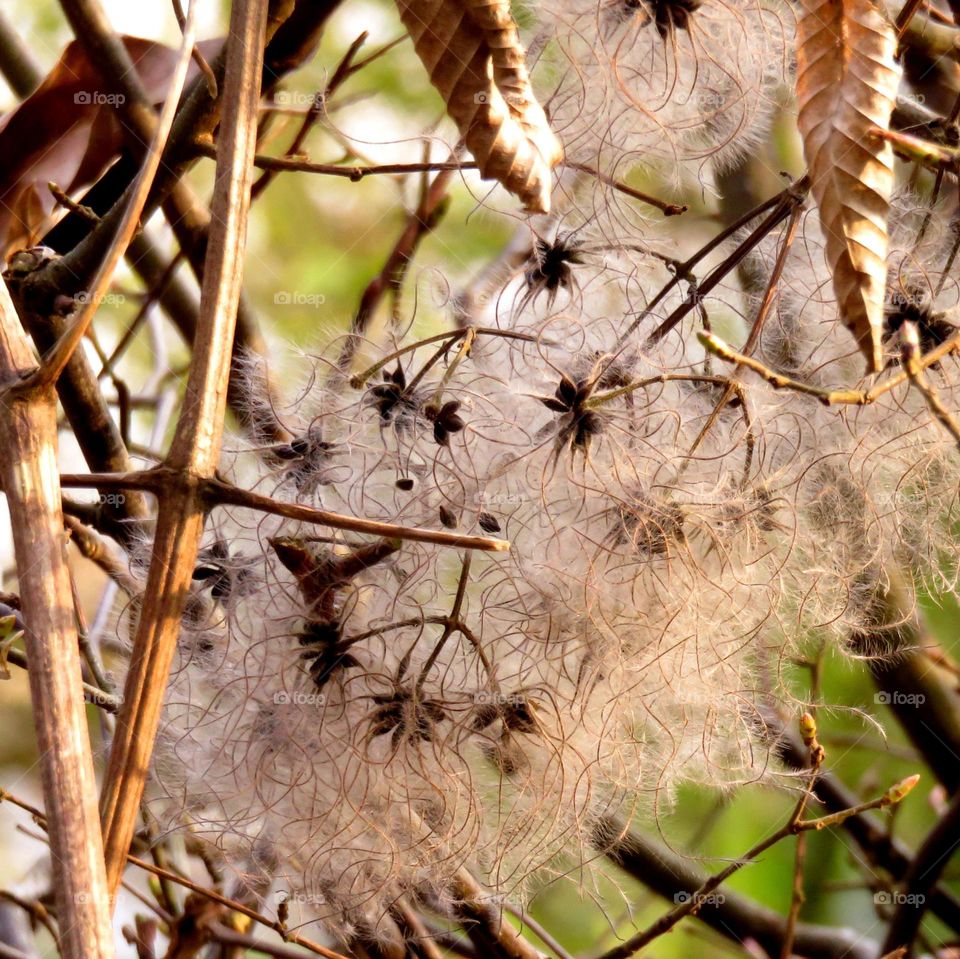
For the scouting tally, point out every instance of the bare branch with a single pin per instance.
(28, 426)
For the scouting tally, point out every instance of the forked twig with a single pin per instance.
(910, 354)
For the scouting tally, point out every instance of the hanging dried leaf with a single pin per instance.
(847, 82)
(472, 51)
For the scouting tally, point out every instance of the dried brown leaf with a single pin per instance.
(473, 54)
(847, 82)
(67, 131)
(26, 220)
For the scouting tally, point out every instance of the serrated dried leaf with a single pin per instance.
(473, 54)
(847, 81)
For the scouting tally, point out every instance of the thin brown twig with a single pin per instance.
(809, 733)
(757, 328)
(358, 379)
(344, 70)
(38, 913)
(851, 397)
(91, 694)
(56, 359)
(794, 825)
(205, 146)
(217, 492)
(422, 221)
(198, 57)
(667, 208)
(40, 818)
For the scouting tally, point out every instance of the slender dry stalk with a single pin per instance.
(28, 426)
(196, 447)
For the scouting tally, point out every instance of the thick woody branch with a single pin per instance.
(421, 222)
(28, 427)
(199, 114)
(65, 348)
(98, 436)
(921, 879)
(17, 65)
(922, 694)
(485, 923)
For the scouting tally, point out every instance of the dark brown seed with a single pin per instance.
(567, 390)
(488, 522)
(405, 483)
(300, 445)
(453, 423)
(448, 518)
